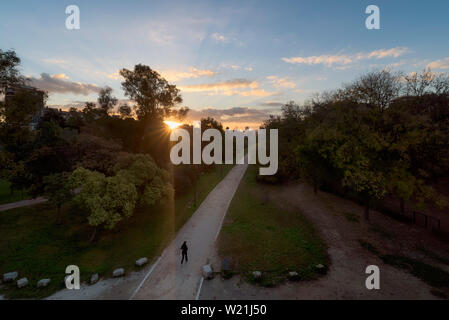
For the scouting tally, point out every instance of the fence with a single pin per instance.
(429, 221)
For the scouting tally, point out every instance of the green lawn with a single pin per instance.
(260, 234)
(7, 197)
(34, 245)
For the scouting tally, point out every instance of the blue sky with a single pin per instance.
(235, 60)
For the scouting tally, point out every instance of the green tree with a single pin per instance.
(107, 200)
(57, 190)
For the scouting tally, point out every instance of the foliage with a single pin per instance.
(154, 96)
(57, 190)
(106, 199)
(9, 70)
(370, 139)
(106, 101)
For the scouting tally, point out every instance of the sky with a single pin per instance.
(237, 61)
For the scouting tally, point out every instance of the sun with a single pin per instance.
(172, 124)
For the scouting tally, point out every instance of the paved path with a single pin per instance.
(171, 280)
(23, 203)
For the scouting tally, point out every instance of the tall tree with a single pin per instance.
(154, 96)
(9, 70)
(106, 100)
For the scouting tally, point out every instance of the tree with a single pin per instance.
(151, 182)
(91, 112)
(154, 96)
(107, 200)
(106, 101)
(9, 71)
(75, 120)
(125, 111)
(378, 89)
(57, 190)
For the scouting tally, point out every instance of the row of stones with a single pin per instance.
(11, 276)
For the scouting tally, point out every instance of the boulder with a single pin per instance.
(10, 276)
(141, 262)
(22, 282)
(257, 274)
(94, 278)
(207, 272)
(293, 275)
(321, 268)
(118, 272)
(43, 283)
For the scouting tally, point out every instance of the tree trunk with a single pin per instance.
(59, 220)
(402, 205)
(367, 212)
(92, 237)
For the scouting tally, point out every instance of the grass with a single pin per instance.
(434, 256)
(351, 217)
(431, 275)
(7, 197)
(32, 244)
(259, 234)
(382, 232)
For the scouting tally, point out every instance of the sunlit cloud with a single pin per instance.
(193, 73)
(230, 88)
(55, 61)
(236, 117)
(221, 86)
(330, 60)
(281, 82)
(439, 64)
(58, 83)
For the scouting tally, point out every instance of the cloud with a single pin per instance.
(60, 76)
(439, 64)
(115, 75)
(219, 37)
(281, 82)
(236, 117)
(193, 73)
(330, 60)
(226, 85)
(59, 83)
(55, 61)
(272, 104)
(230, 87)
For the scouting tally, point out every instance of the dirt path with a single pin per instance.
(346, 277)
(23, 203)
(166, 278)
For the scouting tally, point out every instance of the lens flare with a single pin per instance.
(172, 124)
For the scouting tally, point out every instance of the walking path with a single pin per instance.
(166, 278)
(23, 203)
(171, 280)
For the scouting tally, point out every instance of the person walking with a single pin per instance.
(184, 252)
